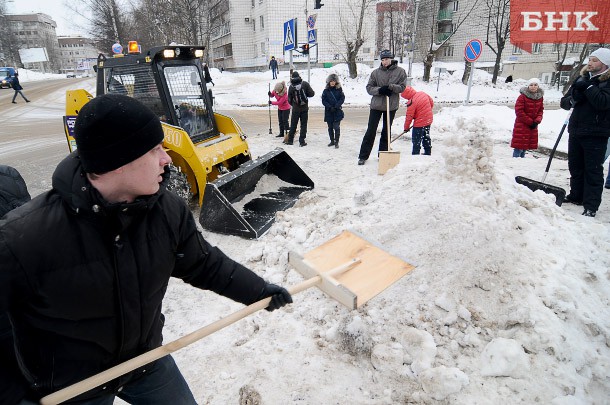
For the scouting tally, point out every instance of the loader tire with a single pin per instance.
(178, 184)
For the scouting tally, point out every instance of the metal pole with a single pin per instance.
(469, 83)
(307, 42)
(413, 42)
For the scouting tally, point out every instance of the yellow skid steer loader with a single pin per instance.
(210, 149)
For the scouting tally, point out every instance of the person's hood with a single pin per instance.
(605, 75)
(280, 88)
(537, 95)
(408, 93)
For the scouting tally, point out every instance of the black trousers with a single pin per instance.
(371, 131)
(334, 131)
(282, 117)
(302, 115)
(585, 161)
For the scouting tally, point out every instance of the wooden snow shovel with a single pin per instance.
(534, 185)
(347, 268)
(388, 159)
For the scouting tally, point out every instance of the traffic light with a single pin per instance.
(318, 5)
(305, 49)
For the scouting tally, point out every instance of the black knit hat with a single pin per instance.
(112, 130)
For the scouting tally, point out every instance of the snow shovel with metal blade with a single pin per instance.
(390, 158)
(347, 268)
(534, 185)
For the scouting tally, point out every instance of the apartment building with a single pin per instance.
(246, 33)
(36, 31)
(439, 21)
(78, 55)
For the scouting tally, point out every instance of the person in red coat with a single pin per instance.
(419, 112)
(528, 108)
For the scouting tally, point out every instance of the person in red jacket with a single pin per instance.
(419, 112)
(528, 108)
(280, 92)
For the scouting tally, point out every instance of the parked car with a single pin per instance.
(70, 75)
(6, 77)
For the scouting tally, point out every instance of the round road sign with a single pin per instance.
(473, 50)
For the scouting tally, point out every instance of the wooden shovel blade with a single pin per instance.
(375, 271)
(388, 160)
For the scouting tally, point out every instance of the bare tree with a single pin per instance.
(8, 47)
(577, 66)
(429, 11)
(108, 21)
(353, 33)
(498, 30)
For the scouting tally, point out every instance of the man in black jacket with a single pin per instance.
(86, 265)
(299, 93)
(589, 128)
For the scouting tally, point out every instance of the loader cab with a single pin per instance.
(169, 80)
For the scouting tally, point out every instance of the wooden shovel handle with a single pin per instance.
(155, 354)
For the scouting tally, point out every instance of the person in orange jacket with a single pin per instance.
(419, 112)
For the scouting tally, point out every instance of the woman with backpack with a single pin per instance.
(332, 99)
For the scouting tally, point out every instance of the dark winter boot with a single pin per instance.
(332, 143)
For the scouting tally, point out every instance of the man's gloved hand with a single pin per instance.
(269, 93)
(582, 83)
(534, 125)
(385, 91)
(279, 296)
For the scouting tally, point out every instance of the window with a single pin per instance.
(254, 24)
(252, 3)
(456, 5)
(575, 48)
(516, 50)
(448, 51)
(262, 20)
(556, 47)
(536, 48)
(262, 48)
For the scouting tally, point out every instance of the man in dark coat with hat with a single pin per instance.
(85, 266)
(385, 85)
(298, 97)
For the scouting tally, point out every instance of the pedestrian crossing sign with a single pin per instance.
(312, 36)
(290, 35)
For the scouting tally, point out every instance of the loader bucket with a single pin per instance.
(244, 202)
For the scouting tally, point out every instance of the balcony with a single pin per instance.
(445, 15)
(441, 36)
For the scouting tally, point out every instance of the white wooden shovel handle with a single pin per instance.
(155, 354)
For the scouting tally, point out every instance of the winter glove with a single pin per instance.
(279, 296)
(270, 102)
(582, 84)
(385, 91)
(534, 125)
(269, 93)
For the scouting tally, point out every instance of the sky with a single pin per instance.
(63, 16)
(508, 302)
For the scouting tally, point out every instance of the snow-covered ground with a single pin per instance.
(509, 299)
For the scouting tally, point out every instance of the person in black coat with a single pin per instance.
(332, 99)
(18, 89)
(589, 129)
(85, 266)
(273, 66)
(298, 97)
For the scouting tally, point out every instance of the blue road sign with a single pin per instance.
(290, 35)
(312, 36)
(473, 50)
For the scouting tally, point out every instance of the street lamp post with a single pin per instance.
(413, 42)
